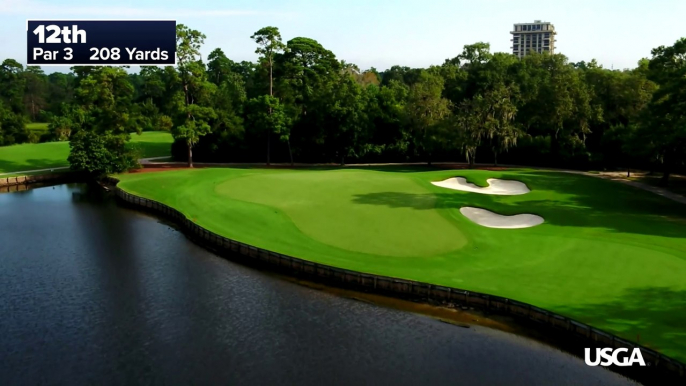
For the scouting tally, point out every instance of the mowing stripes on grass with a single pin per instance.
(609, 255)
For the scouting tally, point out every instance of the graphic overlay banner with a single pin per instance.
(100, 42)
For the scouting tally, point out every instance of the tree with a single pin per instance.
(307, 68)
(154, 85)
(541, 109)
(346, 119)
(462, 129)
(12, 87)
(60, 91)
(558, 104)
(266, 114)
(13, 83)
(11, 126)
(387, 119)
(35, 90)
(401, 74)
(664, 124)
(219, 67)
(229, 101)
(61, 126)
(269, 44)
(622, 95)
(425, 109)
(193, 115)
(100, 121)
(475, 54)
(99, 154)
(306, 72)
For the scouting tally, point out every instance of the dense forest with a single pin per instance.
(299, 103)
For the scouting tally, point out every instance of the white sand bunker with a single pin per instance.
(495, 186)
(494, 220)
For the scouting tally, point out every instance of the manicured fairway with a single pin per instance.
(54, 154)
(607, 254)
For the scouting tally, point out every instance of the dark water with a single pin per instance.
(91, 293)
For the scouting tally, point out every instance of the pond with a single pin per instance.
(92, 293)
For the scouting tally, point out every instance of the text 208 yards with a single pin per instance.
(78, 36)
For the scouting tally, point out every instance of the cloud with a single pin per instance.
(36, 10)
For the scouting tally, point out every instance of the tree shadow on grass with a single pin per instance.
(150, 149)
(562, 200)
(7, 166)
(656, 314)
(394, 168)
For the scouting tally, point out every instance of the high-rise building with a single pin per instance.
(538, 36)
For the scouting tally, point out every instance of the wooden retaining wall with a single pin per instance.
(660, 364)
(45, 178)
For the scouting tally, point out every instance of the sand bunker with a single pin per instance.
(494, 220)
(495, 186)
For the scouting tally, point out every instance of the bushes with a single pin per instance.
(100, 154)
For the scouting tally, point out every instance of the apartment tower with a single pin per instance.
(538, 36)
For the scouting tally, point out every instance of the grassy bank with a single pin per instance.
(54, 154)
(609, 255)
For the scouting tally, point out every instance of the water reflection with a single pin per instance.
(92, 293)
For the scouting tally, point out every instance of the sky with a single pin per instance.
(383, 33)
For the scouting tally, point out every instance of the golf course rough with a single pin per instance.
(608, 255)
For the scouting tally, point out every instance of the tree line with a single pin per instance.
(300, 103)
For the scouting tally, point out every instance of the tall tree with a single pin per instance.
(387, 117)
(12, 85)
(498, 123)
(426, 108)
(266, 114)
(194, 114)
(665, 120)
(307, 72)
(219, 67)
(346, 119)
(558, 104)
(60, 90)
(35, 90)
(269, 44)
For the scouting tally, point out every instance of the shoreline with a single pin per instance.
(502, 313)
(11, 184)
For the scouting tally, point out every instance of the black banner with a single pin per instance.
(101, 42)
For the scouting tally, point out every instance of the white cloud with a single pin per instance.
(35, 10)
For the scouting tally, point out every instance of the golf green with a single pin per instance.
(47, 155)
(609, 255)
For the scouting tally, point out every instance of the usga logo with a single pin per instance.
(612, 358)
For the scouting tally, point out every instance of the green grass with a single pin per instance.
(608, 254)
(152, 143)
(37, 126)
(677, 184)
(55, 171)
(54, 154)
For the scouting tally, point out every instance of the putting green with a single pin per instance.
(607, 254)
(316, 203)
(31, 156)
